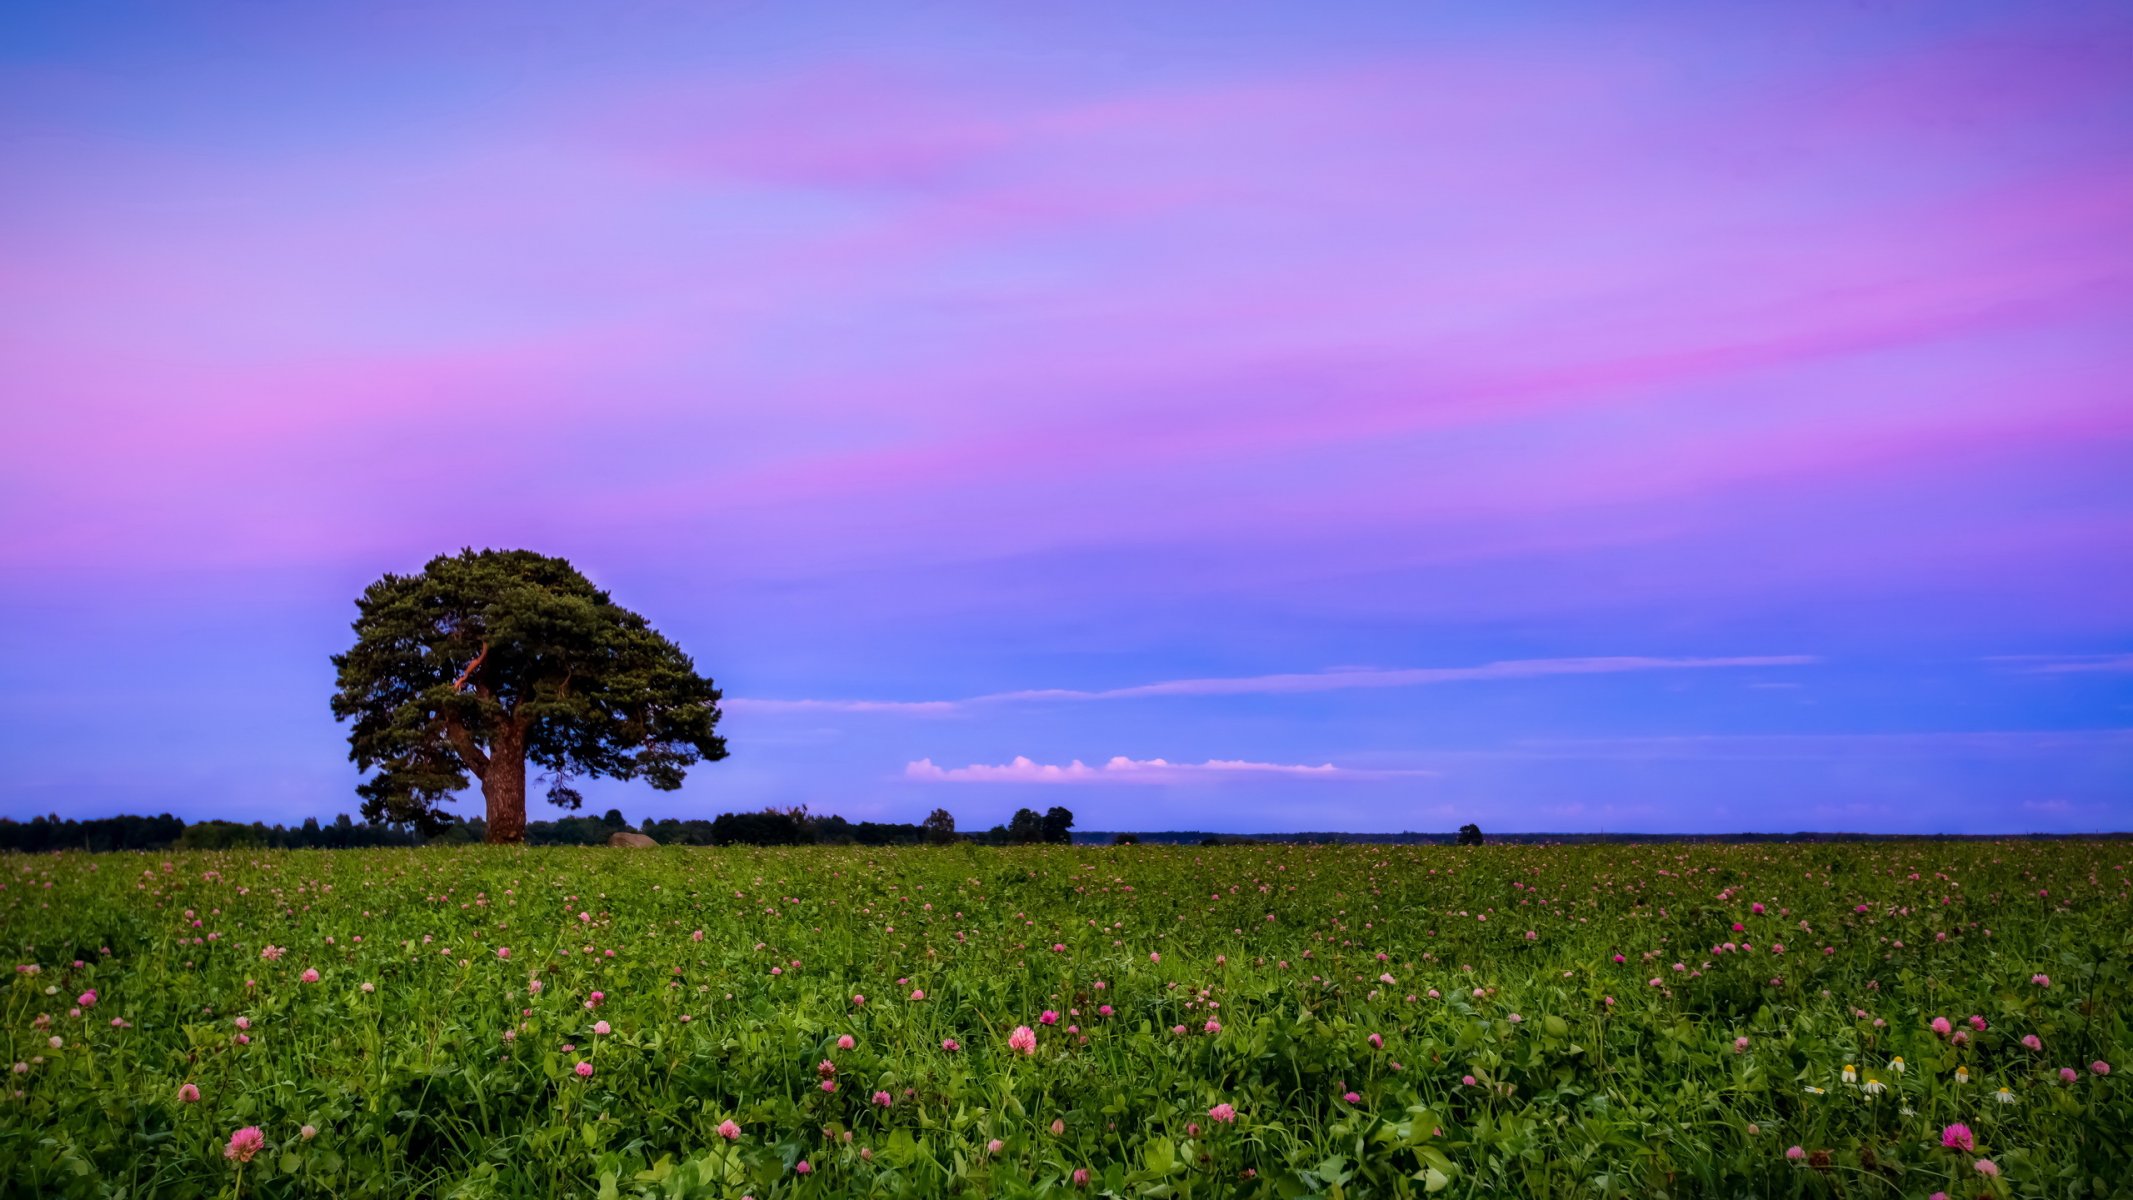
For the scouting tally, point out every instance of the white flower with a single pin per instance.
(2004, 1096)
(1962, 1074)
(1851, 1073)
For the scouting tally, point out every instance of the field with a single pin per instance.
(1892, 1019)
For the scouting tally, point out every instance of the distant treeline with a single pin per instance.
(1195, 837)
(770, 827)
(165, 832)
(782, 827)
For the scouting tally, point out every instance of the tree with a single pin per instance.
(1057, 821)
(1470, 835)
(1025, 827)
(939, 826)
(491, 659)
(770, 827)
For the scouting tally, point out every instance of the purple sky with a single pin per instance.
(1625, 417)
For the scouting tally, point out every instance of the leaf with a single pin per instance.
(1434, 1181)
(1160, 1155)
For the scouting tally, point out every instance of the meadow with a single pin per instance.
(1863, 1020)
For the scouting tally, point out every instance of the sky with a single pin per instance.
(1238, 417)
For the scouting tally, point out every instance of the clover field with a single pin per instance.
(1840, 1019)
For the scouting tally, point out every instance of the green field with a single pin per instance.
(1372, 1021)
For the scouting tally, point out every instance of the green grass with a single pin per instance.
(450, 1077)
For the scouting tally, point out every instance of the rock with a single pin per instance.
(635, 841)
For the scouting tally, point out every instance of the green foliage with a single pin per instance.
(1025, 827)
(1411, 1021)
(939, 827)
(1028, 827)
(490, 659)
(221, 835)
(96, 834)
(1057, 826)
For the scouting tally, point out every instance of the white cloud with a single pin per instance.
(1340, 679)
(1329, 681)
(1781, 746)
(920, 708)
(1135, 770)
(2068, 664)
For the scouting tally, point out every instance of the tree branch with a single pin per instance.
(471, 667)
(469, 751)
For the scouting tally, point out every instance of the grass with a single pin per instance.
(1381, 1021)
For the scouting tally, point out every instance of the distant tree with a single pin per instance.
(222, 835)
(1125, 839)
(939, 826)
(1470, 835)
(1025, 827)
(1057, 824)
(459, 833)
(888, 833)
(613, 819)
(490, 659)
(767, 828)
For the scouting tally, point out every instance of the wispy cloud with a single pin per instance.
(1941, 744)
(1329, 681)
(922, 708)
(2067, 664)
(1340, 679)
(1137, 770)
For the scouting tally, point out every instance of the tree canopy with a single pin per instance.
(1027, 826)
(939, 826)
(491, 659)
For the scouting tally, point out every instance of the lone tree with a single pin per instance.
(1470, 835)
(1025, 827)
(939, 827)
(1056, 824)
(490, 659)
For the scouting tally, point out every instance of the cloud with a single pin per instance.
(1135, 770)
(2067, 664)
(1931, 744)
(1340, 679)
(1328, 681)
(923, 708)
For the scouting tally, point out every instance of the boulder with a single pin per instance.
(632, 840)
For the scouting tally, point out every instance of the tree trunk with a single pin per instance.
(503, 786)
